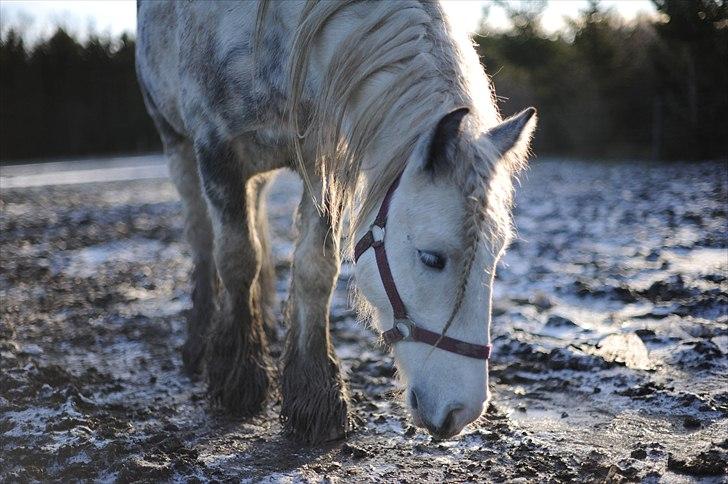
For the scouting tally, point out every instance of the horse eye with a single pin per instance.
(432, 259)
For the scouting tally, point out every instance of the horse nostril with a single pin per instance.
(413, 400)
(447, 423)
(446, 427)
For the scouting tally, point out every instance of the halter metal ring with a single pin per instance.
(378, 233)
(406, 328)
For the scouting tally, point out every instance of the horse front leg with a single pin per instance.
(238, 367)
(198, 231)
(314, 407)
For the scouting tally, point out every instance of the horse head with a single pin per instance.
(437, 239)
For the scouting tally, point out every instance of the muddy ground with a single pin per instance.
(610, 332)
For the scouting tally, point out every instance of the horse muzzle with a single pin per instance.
(441, 419)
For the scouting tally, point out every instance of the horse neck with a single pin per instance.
(377, 79)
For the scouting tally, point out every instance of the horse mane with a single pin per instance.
(409, 41)
(431, 71)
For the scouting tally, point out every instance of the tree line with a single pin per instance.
(656, 88)
(62, 97)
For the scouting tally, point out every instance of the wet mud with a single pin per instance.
(610, 335)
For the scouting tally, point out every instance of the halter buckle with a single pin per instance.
(378, 234)
(406, 328)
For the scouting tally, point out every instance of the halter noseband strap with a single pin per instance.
(404, 329)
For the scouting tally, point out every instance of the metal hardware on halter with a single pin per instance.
(377, 230)
(404, 329)
(409, 327)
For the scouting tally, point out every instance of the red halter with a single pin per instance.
(404, 329)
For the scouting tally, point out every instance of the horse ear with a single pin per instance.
(513, 131)
(443, 140)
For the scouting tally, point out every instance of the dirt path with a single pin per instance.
(611, 342)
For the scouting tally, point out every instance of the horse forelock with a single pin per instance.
(487, 184)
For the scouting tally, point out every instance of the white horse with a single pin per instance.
(386, 113)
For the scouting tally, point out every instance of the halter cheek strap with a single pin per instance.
(404, 329)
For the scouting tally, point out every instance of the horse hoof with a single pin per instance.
(314, 409)
(300, 428)
(238, 373)
(242, 391)
(238, 383)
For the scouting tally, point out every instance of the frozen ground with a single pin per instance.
(611, 340)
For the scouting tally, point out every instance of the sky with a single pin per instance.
(38, 17)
